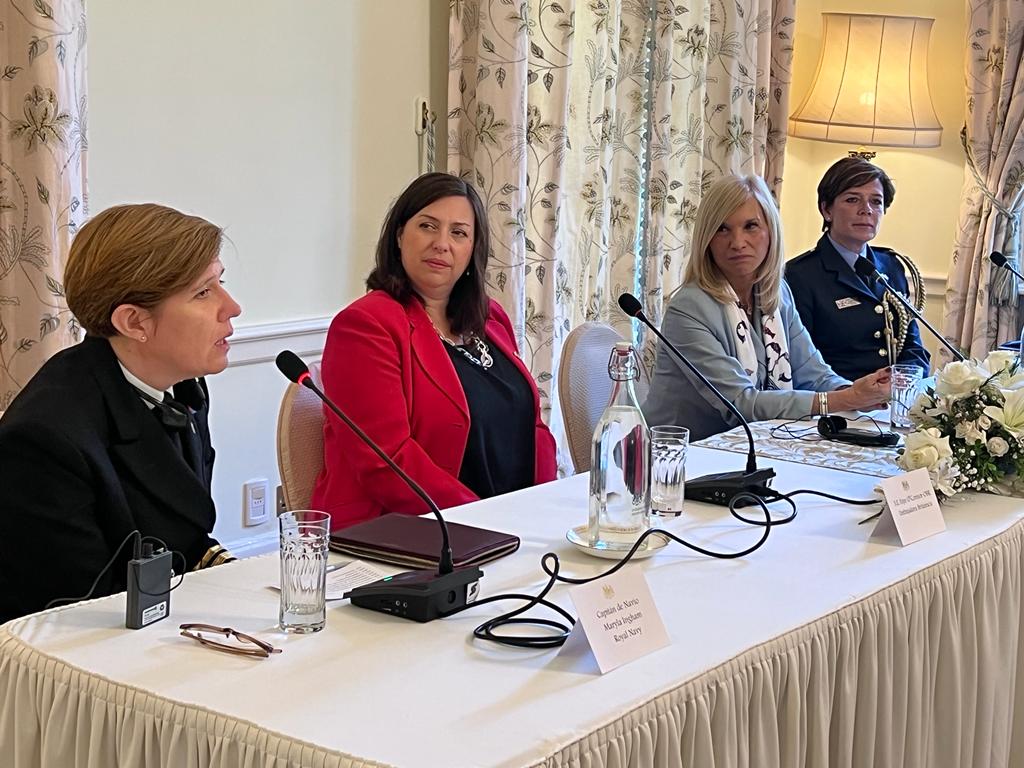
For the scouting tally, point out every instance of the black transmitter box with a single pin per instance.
(149, 590)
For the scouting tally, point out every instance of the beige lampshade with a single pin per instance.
(871, 86)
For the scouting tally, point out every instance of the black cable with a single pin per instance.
(783, 431)
(809, 434)
(181, 576)
(139, 539)
(842, 499)
(96, 581)
(551, 565)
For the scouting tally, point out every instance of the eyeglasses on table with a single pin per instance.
(246, 645)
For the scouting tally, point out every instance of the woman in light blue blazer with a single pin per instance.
(735, 320)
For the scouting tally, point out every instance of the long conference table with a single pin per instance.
(823, 648)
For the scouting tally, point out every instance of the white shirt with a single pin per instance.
(142, 386)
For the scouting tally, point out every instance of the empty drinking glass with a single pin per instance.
(668, 469)
(906, 380)
(305, 535)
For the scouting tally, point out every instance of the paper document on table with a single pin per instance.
(348, 576)
(342, 577)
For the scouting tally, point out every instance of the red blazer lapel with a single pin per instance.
(430, 354)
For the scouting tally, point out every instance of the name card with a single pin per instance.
(618, 619)
(911, 509)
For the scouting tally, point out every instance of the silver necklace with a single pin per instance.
(485, 360)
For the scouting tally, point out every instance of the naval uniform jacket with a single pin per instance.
(83, 463)
(844, 315)
(387, 369)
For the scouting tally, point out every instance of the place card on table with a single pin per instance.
(618, 619)
(911, 508)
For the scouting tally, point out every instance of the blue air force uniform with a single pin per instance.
(844, 315)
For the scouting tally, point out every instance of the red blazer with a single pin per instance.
(386, 368)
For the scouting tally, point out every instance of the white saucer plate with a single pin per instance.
(578, 538)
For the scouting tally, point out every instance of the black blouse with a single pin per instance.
(500, 449)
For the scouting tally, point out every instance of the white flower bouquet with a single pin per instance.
(969, 428)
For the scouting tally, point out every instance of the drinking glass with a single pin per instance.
(305, 535)
(906, 381)
(668, 469)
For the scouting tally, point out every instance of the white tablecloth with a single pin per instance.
(823, 648)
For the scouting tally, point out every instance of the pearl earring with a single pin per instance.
(143, 338)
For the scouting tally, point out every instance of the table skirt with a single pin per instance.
(922, 673)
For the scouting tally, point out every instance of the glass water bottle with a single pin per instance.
(620, 461)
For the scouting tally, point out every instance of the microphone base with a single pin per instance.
(419, 595)
(721, 488)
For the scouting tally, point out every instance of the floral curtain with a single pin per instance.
(42, 179)
(592, 128)
(981, 302)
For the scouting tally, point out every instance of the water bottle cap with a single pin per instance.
(623, 364)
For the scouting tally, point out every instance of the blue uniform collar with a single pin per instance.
(849, 256)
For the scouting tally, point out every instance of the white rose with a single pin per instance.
(924, 449)
(924, 457)
(968, 431)
(984, 422)
(960, 379)
(997, 446)
(999, 360)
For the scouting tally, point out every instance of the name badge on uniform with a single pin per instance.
(847, 303)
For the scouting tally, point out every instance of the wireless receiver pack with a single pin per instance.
(149, 588)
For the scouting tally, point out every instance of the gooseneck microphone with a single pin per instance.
(719, 488)
(867, 272)
(421, 595)
(1001, 261)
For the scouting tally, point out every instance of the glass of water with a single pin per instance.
(668, 469)
(906, 381)
(305, 535)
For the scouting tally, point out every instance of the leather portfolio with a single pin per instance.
(415, 542)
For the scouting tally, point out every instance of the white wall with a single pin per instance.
(290, 124)
(922, 220)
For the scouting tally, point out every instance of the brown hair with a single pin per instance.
(135, 254)
(725, 196)
(848, 173)
(468, 304)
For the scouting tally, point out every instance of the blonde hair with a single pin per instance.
(135, 254)
(726, 195)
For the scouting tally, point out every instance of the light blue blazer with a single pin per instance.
(699, 326)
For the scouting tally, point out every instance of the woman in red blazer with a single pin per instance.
(427, 365)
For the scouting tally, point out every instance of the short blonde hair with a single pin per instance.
(726, 195)
(135, 254)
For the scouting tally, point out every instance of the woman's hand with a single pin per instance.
(867, 393)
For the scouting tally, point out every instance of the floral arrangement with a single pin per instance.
(969, 428)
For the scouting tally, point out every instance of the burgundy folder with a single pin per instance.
(415, 542)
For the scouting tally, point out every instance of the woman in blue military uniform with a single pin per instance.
(854, 326)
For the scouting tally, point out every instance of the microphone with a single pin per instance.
(722, 487)
(867, 272)
(420, 595)
(1001, 261)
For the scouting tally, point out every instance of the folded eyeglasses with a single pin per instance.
(246, 645)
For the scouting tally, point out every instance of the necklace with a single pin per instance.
(485, 360)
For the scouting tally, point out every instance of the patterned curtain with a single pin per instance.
(981, 302)
(592, 128)
(42, 179)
